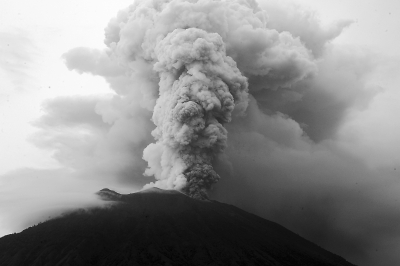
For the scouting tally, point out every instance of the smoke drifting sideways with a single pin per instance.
(256, 93)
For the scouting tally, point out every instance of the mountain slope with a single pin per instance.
(158, 227)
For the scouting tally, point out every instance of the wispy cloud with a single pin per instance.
(18, 56)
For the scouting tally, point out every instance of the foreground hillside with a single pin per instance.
(157, 227)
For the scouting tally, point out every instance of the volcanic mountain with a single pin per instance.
(161, 227)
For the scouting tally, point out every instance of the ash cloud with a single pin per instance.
(301, 151)
(200, 51)
(302, 23)
(101, 137)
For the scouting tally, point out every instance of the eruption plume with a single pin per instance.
(199, 49)
(199, 86)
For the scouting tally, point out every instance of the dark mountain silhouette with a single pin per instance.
(161, 227)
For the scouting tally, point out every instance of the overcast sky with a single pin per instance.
(34, 35)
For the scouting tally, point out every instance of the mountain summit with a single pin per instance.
(161, 227)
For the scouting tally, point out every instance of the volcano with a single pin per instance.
(161, 227)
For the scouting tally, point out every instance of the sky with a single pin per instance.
(320, 158)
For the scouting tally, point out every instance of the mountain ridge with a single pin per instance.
(161, 227)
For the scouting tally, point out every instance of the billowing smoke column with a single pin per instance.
(199, 86)
(199, 50)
